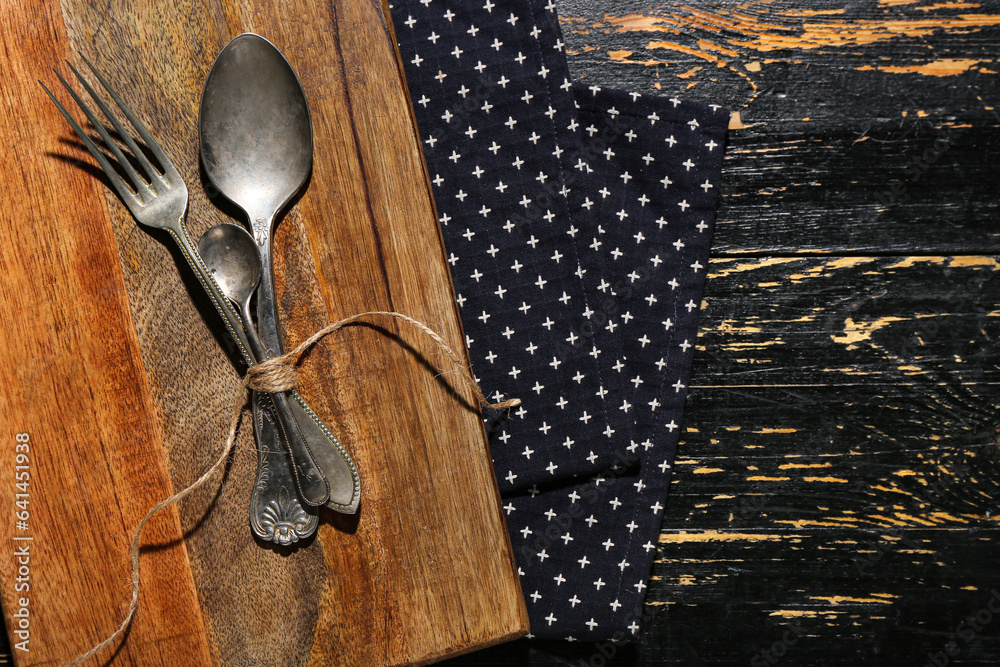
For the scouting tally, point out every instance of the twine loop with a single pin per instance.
(280, 373)
(273, 375)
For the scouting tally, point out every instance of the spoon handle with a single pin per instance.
(312, 483)
(338, 467)
(335, 463)
(309, 478)
(276, 515)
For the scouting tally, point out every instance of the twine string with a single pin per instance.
(239, 402)
(273, 375)
(281, 373)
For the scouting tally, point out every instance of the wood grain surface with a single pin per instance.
(425, 569)
(72, 380)
(835, 497)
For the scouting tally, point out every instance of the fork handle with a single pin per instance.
(276, 513)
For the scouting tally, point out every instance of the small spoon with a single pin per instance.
(256, 146)
(231, 257)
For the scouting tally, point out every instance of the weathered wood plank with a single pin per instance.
(855, 493)
(882, 597)
(849, 320)
(865, 127)
(72, 381)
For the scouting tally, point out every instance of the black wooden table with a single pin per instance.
(835, 498)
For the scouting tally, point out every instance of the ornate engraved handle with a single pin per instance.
(276, 514)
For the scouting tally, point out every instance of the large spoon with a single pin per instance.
(256, 146)
(231, 257)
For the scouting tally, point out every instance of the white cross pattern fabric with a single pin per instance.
(577, 223)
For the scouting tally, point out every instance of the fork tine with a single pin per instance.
(153, 175)
(113, 176)
(168, 166)
(138, 185)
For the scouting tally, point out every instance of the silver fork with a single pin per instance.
(160, 201)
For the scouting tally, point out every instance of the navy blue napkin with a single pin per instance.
(578, 223)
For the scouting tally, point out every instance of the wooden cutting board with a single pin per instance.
(111, 362)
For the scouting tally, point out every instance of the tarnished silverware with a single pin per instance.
(157, 197)
(256, 146)
(159, 200)
(231, 256)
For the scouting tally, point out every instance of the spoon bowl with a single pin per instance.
(255, 129)
(231, 256)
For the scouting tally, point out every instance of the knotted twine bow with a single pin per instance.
(275, 375)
